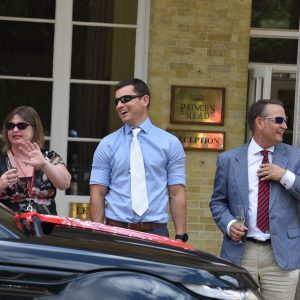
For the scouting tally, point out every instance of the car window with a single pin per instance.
(8, 227)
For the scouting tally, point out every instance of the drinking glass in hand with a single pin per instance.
(13, 187)
(240, 217)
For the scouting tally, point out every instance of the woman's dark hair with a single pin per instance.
(258, 110)
(28, 114)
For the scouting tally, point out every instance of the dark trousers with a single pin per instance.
(163, 230)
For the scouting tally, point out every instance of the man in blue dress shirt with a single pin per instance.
(164, 162)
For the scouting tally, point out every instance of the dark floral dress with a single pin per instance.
(42, 196)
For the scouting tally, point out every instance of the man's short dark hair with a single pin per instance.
(258, 109)
(140, 87)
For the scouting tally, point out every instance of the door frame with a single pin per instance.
(259, 87)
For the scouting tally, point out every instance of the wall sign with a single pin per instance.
(197, 105)
(200, 140)
(80, 210)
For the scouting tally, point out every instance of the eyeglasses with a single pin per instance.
(20, 125)
(277, 120)
(126, 98)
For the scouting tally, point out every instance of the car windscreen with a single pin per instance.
(8, 227)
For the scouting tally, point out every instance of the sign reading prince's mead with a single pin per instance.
(197, 105)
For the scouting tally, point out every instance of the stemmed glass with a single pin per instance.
(13, 187)
(240, 217)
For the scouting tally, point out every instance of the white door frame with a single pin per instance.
(260, 80)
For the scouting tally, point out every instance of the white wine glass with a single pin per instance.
(13, 187)
(240, 217)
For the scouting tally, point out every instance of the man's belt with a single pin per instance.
(251, 239)
(135, 226)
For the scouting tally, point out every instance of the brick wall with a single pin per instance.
(200, 43)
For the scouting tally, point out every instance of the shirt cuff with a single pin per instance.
(288, 179)
(228, 226)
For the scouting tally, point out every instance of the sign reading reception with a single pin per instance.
(197, 105)
(200, 140)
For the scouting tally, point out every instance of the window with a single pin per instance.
(63, 58)
(276, 14)
(274, 31)
(26, 56)
(273, 55)
(103, 53)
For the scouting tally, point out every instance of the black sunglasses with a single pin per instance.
(20, 125)
(126, 98)
(277, 120)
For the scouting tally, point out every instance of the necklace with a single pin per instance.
(29, 183)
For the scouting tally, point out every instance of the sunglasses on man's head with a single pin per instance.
(126, 98)
(277, 120)
(20, 125)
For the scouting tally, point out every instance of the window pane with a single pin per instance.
(277, 14)
(92, 111)
(26, 49)
(80, 157)
(28, 8)
(103, 53)
(14, 93)
(281, 51)
(105, 11)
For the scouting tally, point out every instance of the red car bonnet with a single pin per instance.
(71, 222)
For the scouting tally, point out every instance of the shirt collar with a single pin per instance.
(145, 126)
(254, 148)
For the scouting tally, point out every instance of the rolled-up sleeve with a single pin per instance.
(101, 169)
(176, 165)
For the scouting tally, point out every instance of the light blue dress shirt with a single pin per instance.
(164, 160)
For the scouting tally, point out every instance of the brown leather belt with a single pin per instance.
(135, 226)
(251, 239)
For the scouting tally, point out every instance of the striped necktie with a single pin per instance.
(139, 196)
(263, 199)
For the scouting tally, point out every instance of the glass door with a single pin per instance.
(274, 82)
(273, 57)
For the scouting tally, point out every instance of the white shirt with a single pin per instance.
(254, 161)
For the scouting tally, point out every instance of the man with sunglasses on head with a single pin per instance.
(111, 182)
(262, 176)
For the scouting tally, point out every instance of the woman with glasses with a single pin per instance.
(29, 174)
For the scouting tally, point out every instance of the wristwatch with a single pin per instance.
(184, 237)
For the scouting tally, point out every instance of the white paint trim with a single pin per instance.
(81, 139)
(61, 88)
(61, 75)
(97, 24)
(296, 128)
(275, 67)
(273, 33)
(25, 78)
(100, 82)
(28, 20)
(142, 40)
